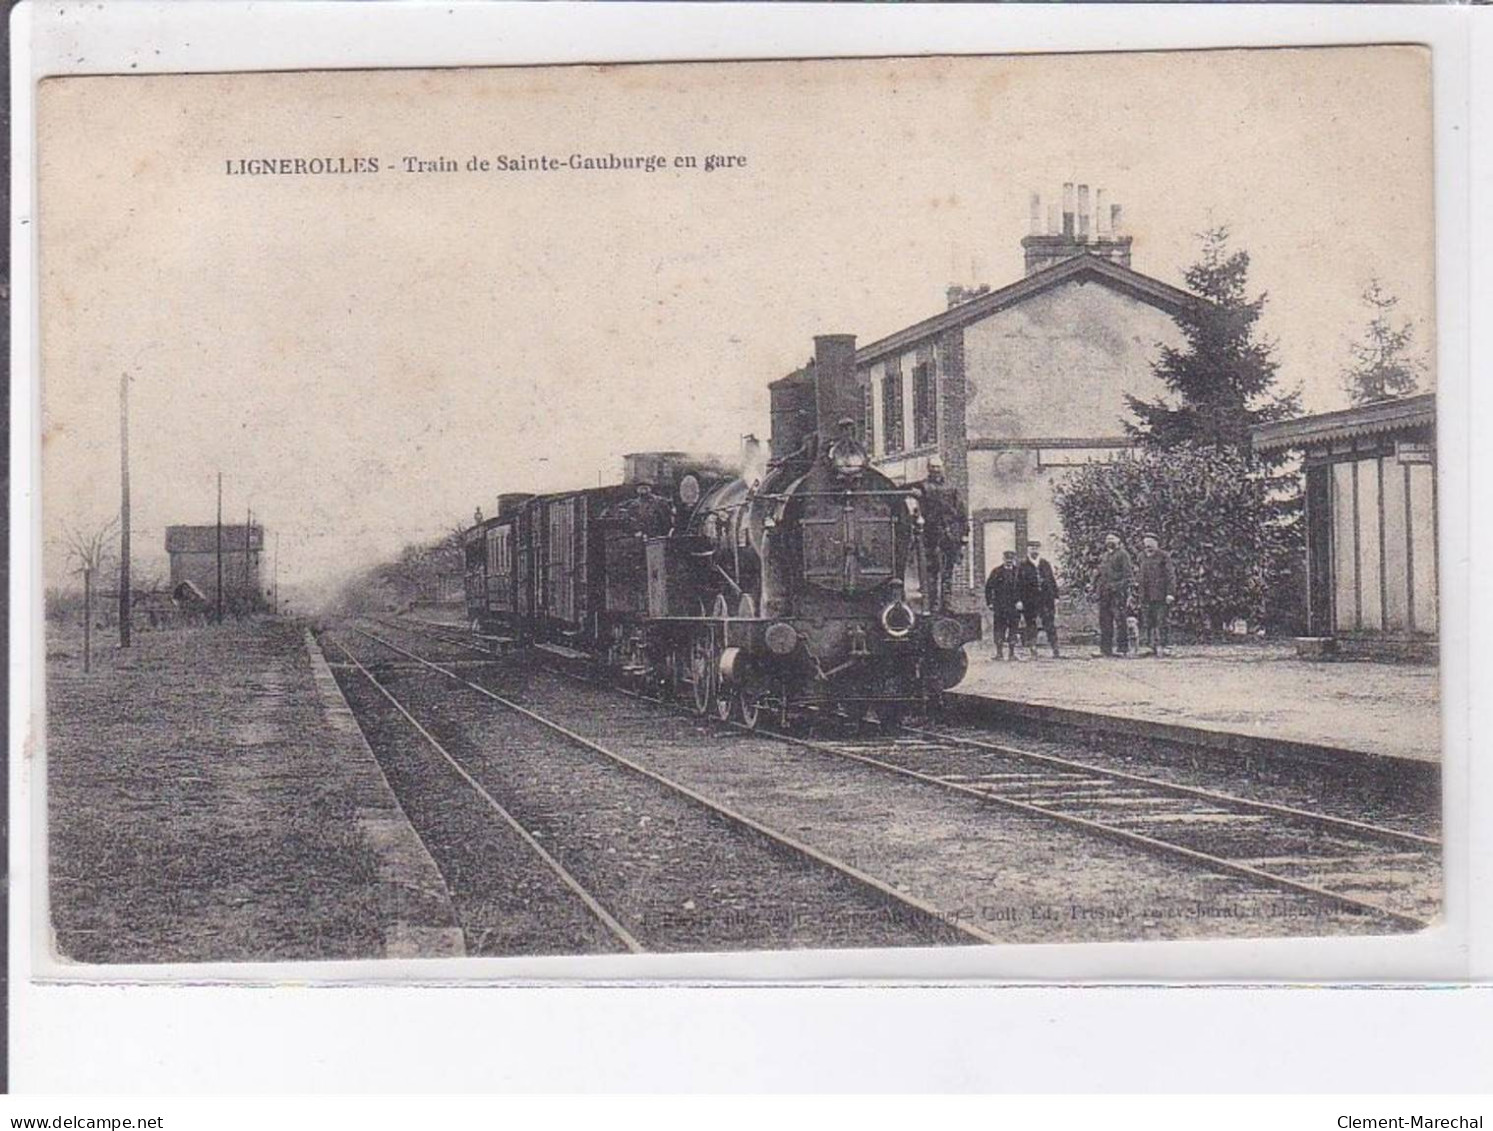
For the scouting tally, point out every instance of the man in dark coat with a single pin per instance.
(1112, 587)
(946, 529)
(646, 513)
(1001, 594)
(1037, 597)
(1158, 590)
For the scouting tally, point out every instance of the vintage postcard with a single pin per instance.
(739, 507)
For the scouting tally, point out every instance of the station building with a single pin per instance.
(194, 554)
(1370, 520)
(1013, 388)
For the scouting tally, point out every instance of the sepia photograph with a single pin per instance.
(702, 508)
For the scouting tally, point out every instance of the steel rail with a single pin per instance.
(1099, 828)
(606, 918)
(1151, 844)
(848, 870)
(430, 630)
(1325, 820)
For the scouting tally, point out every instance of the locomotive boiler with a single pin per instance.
(794, 585)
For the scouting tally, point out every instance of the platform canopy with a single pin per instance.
(1398, 415)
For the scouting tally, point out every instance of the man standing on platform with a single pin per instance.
(946, 528)
(1037, 597)
(1112, 587)
(1158, 589)
(1001, 594)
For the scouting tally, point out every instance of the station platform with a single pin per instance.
(211, 798)
(1258, 690)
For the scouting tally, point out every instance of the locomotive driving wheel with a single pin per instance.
(749, 694)
(702, 667)
(724, 700)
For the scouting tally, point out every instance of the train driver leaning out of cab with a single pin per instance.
(649, 515)
(946, 530)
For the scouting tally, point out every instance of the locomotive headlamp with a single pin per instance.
(947, 633)
(782, 638)
(897, 619)
(689, 490)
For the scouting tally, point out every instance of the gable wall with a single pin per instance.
(1061, 362)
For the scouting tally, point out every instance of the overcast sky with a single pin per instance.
(367, 357)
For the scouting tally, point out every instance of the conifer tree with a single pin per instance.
(1383, 365)
(1223, 380)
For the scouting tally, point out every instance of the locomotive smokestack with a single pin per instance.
(837, 396)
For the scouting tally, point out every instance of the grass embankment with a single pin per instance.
(197, 809)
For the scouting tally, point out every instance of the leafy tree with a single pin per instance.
(414, 575)
(1217, 515)
(1224, 378)
(1384, 366)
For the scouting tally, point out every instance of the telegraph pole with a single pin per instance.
(220, 547)
(87, 617)
(124, 510)
(248, 530)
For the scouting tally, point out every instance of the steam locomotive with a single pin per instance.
(790, 585)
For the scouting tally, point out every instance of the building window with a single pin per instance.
(891, 408)
(924, 407)
(868, 415)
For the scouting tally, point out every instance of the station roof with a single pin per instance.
(1401, 414)
(1086, 267)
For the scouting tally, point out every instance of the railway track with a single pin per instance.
(1355, 865)
(592, 905)
(1371, 869)
(929, 925)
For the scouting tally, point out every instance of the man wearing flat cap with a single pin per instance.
(1037, 588)
(1158, 590)
(1112, 586)
(1001, 596)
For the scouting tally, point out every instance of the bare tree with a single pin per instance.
(88, 547)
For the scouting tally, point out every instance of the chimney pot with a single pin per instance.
(1101, 215)
(1036, 216)
(1068, 209)
(1083, 213)
(1116, 222)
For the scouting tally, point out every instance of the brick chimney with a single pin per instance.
(957, 294)
(837, 395)
(1085, 230)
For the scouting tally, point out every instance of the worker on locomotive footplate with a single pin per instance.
(654, 516)
(946, 530)
(845, 451)
(647, 514)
